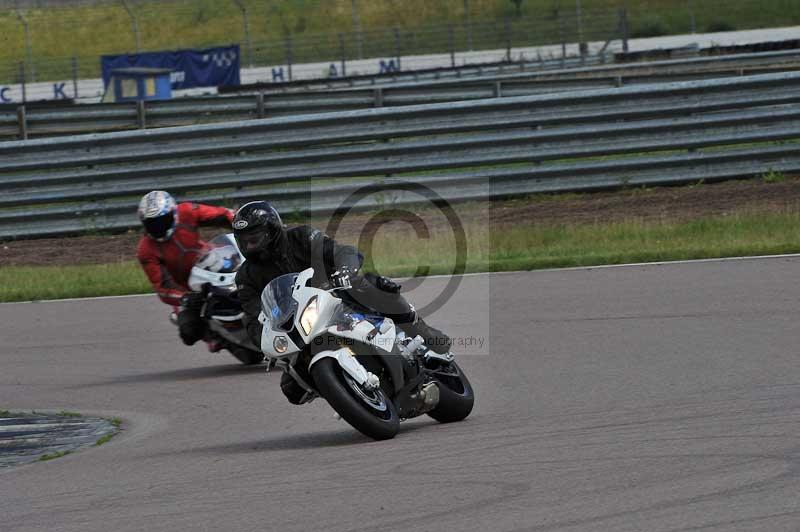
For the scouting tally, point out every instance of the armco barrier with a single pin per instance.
(653, 134)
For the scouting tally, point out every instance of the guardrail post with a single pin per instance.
(562, 37)
(343, 55)
(260, 111)
(246, 22)
(74, 77)
(507, 28)
(23, 81)
(397, 47)
(583, 46)
(451, 41)
(623, 28)
(357, 30)
(22, 119)
(141, 114)
(289, 55)
(497, 89)
(377, 97)
(468, 24)
(27, 33)
(134, 24)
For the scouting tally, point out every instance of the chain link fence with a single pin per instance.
(47, 40)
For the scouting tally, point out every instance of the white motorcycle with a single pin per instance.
(369, 372)
(214, 273)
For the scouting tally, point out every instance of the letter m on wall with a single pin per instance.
(390, 66)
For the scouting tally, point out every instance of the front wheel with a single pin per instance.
(456, 397)
(369, 411)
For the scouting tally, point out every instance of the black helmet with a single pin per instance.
(259, 232)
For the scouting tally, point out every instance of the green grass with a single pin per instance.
(53, 456)
(774, 177)
(18, 283)
(117, 423)
(4, 413)
(104, 439)
(65, 413)
(520, 247)
(530, 247)
(93, 29)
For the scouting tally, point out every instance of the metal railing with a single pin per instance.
(690, 58)
(474, 150)
(22, 122)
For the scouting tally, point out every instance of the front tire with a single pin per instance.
(369, 412)
(456, 397)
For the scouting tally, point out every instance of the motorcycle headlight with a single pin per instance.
(280, 344)
(309, 316)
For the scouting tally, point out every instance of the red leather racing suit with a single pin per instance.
(168, 264)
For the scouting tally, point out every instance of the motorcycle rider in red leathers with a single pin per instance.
(168, 250)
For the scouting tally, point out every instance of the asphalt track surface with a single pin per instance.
(647, 398)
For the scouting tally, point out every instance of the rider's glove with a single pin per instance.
(387, 285)
(193, 301)
(344, 277)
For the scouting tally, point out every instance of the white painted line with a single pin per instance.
(575, 268)
(76, 299)
(628, 265)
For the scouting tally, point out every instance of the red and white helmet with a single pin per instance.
(158, 214)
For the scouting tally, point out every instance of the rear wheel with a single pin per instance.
(369, 411)
(456, 397)
(246, 356)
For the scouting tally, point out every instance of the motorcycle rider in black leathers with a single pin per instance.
(273, 250)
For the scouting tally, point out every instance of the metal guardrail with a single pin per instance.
(32, 121)
(474, 70)
(655, 134)
(685, 58)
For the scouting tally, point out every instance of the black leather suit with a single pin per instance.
(308, 247)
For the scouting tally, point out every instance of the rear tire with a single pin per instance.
(246, 356)
(456, 397)
(369, 412)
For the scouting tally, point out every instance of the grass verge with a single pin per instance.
(535, 247)
(53, 456)
(23, 283)
(505, 248)
(117, 423)
(104, 439)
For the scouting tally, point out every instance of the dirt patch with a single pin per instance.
(658, 203)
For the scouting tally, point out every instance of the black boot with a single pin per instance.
(435, 340)
(295, 393)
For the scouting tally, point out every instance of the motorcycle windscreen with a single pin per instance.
(278, 304)
(221, 255)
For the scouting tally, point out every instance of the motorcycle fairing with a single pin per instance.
(366, 332)
(347, 360)
(218, 266)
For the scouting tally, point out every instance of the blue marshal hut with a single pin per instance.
(138, 83)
